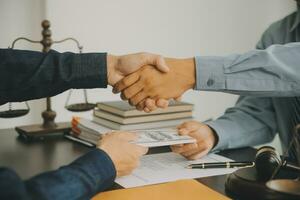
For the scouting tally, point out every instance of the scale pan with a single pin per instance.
(14, 113)
(286, 186)
(80, 107)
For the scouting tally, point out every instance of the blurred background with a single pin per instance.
(174, 28)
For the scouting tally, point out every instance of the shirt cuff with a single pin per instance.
(90, 71)
(210, 73)
(98, 166)
(223, 138)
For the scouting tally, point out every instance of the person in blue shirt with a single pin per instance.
(26, 75)
(267, 80)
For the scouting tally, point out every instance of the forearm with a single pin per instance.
(250, 122)
(88, 175)
(271, 72)
(185, 70)
(28, 75)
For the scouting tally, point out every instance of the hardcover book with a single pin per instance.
(123, 108)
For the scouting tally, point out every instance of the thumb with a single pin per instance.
(156, 60)
(178, 98)
(161, 64)
(143, 150)
(162, 103)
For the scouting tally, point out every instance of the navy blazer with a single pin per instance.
(26, 75)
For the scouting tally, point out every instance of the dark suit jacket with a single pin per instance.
(28, 75)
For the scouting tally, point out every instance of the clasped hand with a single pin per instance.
(149, 88)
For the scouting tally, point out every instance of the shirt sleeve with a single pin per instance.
(273, 72)
(26, 75)
(82, 179)
(250, 122)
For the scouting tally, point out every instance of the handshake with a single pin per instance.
(148, 82)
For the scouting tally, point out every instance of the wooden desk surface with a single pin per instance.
(29, 159)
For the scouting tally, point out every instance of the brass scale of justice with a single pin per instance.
(49, 126)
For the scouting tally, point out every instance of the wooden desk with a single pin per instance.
(29, 159)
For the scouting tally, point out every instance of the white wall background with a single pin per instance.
(173, 28)
(21, 18)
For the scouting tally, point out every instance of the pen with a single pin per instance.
(220, 165)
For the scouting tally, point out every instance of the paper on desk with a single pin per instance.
(166, 167)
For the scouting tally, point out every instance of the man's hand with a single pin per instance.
(122, 152)
(151, 105)
(120, 66)
(151, 83)
(205, 136)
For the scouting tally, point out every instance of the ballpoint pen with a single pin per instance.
(220, 165)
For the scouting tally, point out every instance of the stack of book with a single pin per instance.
(119, 115)
(88, 132)
(155, 129)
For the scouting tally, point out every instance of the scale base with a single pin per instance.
(37, 131)
(245, 184)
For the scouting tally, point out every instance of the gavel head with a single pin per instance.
(267, 160)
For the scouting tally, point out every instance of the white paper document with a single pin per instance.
(166, 167)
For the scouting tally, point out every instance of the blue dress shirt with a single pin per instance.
(268, 80)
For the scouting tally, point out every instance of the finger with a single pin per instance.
(184, 148)
(179, 126)
(190, 153)
(194, 134)
(132, 90)
(130, 103)
(150, 104)
(197, 156)
(126, 82)
(139, 150)
(190, 147)
(176, 149)
(189, 126)
(138, 98)
(178, 98)
(183, 131)
(142, 150)
(122, 96)
(185, 128)
(204, 145)
(141, 105)
(162, 103)
(127, 171)
(182, 125)
(156, 60)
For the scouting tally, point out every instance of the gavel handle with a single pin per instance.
(291, 167)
